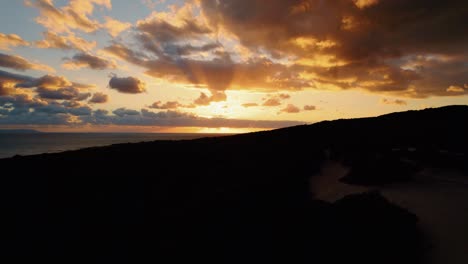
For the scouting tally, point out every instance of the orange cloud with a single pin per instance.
(75, 15)
(455, 89)
(68, 42)
(21, 64)
(216, 96)
(272, 102)
(11, 40)
(115, 27)
(170, 105)
(365, 3)
(310, 107)
(99, 98)
(291, 109)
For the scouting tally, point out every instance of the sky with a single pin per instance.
(225, 66)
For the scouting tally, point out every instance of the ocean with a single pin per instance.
(12, 144)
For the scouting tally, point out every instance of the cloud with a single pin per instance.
(216, 96)
(455, 89)
(85, 60)
(115, 27)
(206, 62)
(120, 51)
(176, 29)
(121, 112)
(74, 16)
(365, 3)
(276, 99)
(46, 81)
(27, 110)
(13, 79)
(11, 40)
(272, 102)
(393, 101)
(310, 107)
(130, 85)
(291, 109)
(99, 98)
(48, 87)
(354, 44)
(67, 93)
(55, 108)
(218, 73)
(181, 119)
(166, 105)
(22, 109)
(5, 89)
(69, 42)
(21, 64)
(247, 105)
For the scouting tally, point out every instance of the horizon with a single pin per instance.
(227, 67)
(217, 131)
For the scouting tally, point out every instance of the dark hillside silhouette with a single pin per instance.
(235, 199)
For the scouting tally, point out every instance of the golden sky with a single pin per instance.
(225, 65)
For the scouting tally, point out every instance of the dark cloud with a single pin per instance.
(130, 85)
(310, 107)
(55, 108)
(101, 112)
(72, 104)
(372, 42)
(180, 119)
(217, 74)
(164, 32)
(121, 112)
(123, 52)
(99, 98)
(20, 63)
(47, 81)
(47, 86)
(24, 109)
(85, 60)
(188, 49)
(12, 78)
(393, 101)
(67, 93)
(291, 109)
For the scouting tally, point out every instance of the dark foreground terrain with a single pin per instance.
(236, 199)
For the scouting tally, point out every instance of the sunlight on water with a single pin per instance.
(30, 144)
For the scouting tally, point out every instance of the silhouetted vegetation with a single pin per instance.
(236, 199)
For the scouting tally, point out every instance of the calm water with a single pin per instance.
(28, 144)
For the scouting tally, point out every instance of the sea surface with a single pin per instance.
(12, 144)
